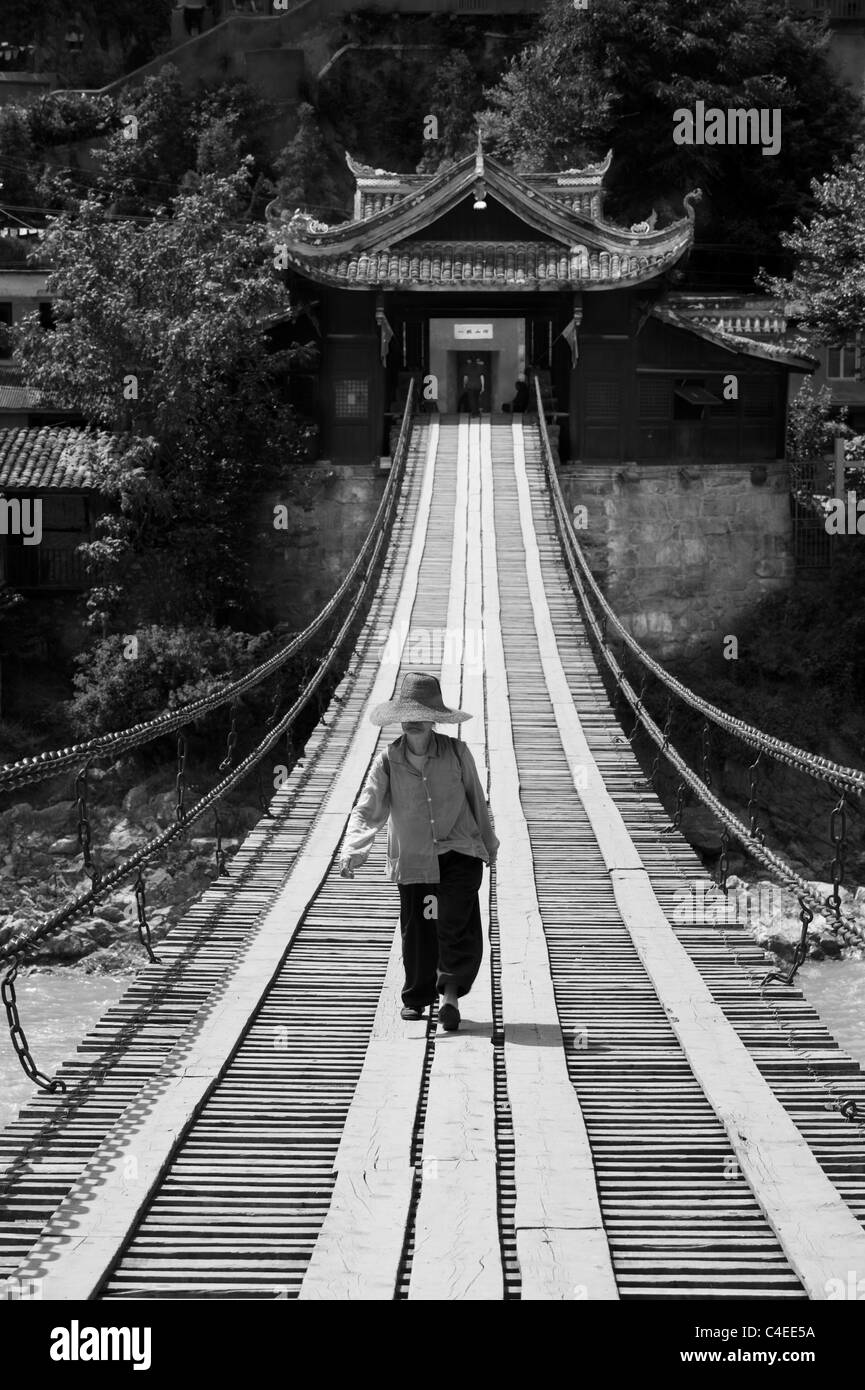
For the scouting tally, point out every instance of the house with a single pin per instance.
(522, 273)
(49, 500)
(841, 368)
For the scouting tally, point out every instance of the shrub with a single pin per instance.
(171, 666)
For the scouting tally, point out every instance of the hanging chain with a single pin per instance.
(806, 917)
(680, 806)
(94, 873)
(704, 754)
(180, 779)
(638, 708)
(838, 836)
(723, 861)
(262, 800)
(232, 740)
(221, 870)
(18, 1036)
(756, 832)
(668, 724)
(843, 1103)
(143, 924)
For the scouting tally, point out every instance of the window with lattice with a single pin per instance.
(352, 398)
(603, 398)
(655, 398)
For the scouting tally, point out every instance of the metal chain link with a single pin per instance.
(19, 1037)
(143, 924)
(705, 770)
(838, 838)
(806, 917)
(94, 873)
(221, 869)
(232, 742)
(180, 779)
(638, 708)
(723, 860)
(756, 832)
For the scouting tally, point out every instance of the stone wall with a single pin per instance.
(329, 514)
(683, 553)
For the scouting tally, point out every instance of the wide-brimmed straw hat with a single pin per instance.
(420, 698)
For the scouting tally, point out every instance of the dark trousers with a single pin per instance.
(442, 935)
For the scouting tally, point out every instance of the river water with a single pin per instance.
(59, 1008)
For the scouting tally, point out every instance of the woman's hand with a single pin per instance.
(349, 863)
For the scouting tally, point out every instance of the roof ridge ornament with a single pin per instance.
(690, 199)
(480, 188)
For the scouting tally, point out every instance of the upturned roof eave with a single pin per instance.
(735, 343)
(416, 211)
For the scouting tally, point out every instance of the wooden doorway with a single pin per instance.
(474, 367)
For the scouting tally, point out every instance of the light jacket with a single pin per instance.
(439, 808)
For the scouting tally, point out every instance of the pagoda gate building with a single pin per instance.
(522, 273)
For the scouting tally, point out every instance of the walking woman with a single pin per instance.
(440, 835)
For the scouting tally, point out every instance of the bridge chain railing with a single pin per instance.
(17, 945)
(848, 783)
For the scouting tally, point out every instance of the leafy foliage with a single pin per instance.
(828, 282)
(613, 76)
(310, 173)
(812, 421)
(160, 336)
(173, 666)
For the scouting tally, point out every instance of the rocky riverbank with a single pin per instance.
(772, 916)
(41, 867)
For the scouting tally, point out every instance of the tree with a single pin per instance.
(160, 336)
(614, 75)
(828, 280)
(306, 171)
(456, 95)
(142, 164)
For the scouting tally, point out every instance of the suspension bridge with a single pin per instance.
(635, 1106)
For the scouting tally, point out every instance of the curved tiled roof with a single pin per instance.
(565, 246)
(51, 457)
(482, 265)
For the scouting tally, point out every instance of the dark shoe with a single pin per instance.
(449, 1017)
(408, 1012)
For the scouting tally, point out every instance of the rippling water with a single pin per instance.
(59, 1009)
(836, 988)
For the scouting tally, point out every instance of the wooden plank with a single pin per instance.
(553, 1162)
(360, 1244)
(457, 1252)
(74, 1266)
(563, 1264)
(818, 1232)
(380, 1122)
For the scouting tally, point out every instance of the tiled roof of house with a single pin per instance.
(735, 342)
(486, 265)
(55, 456)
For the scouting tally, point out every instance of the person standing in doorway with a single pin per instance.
(474, 384)
(425, 785)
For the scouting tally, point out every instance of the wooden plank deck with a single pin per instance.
(636, 1124)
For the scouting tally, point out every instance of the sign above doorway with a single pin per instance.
(465, 331)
